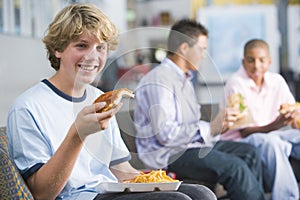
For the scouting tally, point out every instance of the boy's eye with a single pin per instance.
(263, 60)
(102, 47)
(81, 45)
(250, 60)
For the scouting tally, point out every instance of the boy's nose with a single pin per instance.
(257, 64)
(92, 54)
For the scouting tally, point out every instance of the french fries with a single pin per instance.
(155, 176)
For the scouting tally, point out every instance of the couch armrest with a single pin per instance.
(12, 185)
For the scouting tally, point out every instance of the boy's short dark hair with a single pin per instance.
(254, 43)
(185, 31)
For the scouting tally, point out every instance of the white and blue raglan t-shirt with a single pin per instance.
(38, 122)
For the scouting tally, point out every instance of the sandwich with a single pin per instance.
(297, 122)
(113, 98)
(237, 102)
(289, 107)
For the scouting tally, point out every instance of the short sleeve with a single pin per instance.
(29, 145)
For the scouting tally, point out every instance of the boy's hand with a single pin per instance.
(224, 120)
(231, 115)
(295, 119)
(88, 121)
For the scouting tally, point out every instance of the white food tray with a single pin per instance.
(139, 187)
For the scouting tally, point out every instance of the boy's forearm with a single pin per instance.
(52, 177)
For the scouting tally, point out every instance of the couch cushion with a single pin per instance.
(3, 139)
(12, 185)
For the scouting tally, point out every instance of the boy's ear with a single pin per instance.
(183, 48)
(270, 61)
(57, 54)
(243, 61)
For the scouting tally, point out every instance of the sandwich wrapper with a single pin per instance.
(243, 122)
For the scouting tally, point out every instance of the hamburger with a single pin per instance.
(113, 98)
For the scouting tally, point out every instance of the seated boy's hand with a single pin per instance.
(88, 121)
(291, 116)
(295, 119)
(296, 123)
(281, 121)
(224, 120)
(231, 116)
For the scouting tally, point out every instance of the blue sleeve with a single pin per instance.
(32, 170)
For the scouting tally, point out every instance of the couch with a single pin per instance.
(12, 185)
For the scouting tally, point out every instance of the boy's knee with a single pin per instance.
(177, 195)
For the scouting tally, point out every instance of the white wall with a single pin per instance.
(115, 11)
(23, 62)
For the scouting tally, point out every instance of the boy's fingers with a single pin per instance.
(109, 113)
(98, 106)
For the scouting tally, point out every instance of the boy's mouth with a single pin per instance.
(88, 67)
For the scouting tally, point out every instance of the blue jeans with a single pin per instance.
(236, 165)
(185, 192)
(277, 171)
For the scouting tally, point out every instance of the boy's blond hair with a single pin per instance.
(71, 22)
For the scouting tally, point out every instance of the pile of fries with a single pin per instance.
(155, 176)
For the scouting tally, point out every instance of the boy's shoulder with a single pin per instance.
(160, 73)
(29, 98)
(31, 94)
(273, 77)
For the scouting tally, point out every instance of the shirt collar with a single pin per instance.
(251, 83)
(62, 94)
(180, 72)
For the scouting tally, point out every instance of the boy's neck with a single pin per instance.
(259, 83)
(66, 86)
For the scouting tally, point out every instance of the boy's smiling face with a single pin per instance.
(83, 59)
